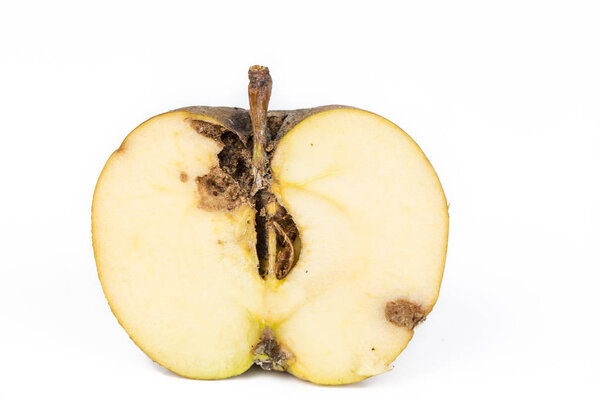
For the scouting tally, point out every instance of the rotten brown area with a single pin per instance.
(219, 191)
(403, 313)
(236, 160)
(249, 139)
(207, 129)
(269, 354)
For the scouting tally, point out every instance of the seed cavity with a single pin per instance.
(230, 185)
(287, 233)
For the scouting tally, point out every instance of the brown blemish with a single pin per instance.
(269, 354)
(274, 123)
(183, 177)
(207, 129)
(404, 313)
(121, 148)
(218, 191)
(227, 186)
(235, 159)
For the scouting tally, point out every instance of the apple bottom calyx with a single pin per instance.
(269, 354)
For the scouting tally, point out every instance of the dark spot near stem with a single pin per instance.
(227, 186)
(274, 123)
(207, 129)
(236, 160)
(218, 191)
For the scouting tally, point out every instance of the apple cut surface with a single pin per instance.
(373, 222)
(181, 280)
(177, 237)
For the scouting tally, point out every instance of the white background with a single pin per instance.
(503, 97)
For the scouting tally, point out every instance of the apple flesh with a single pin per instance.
(177, 242)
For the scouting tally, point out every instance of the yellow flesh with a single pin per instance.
(183, 282)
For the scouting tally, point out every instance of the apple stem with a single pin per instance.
(259, 93)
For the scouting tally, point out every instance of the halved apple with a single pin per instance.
(311, 241)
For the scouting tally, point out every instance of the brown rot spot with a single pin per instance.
(404, 313)
(235, 160)
(183, 177)
(269, 354)
(218, 191)
(228, 185)
(212, 131)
